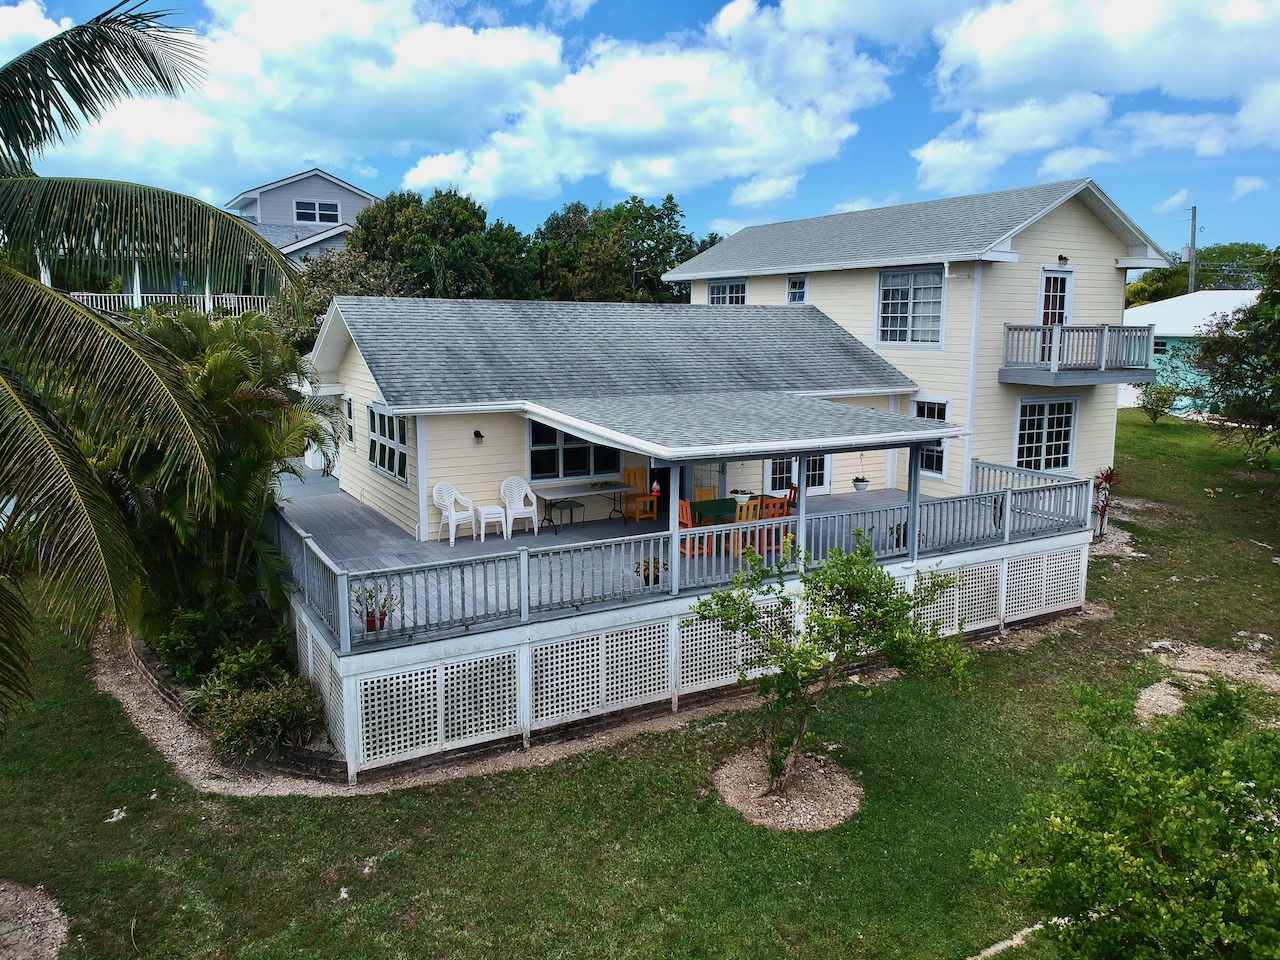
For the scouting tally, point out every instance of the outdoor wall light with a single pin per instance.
(1062, 258)
(479, 436)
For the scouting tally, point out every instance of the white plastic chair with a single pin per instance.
(520, 501)
(455, 509)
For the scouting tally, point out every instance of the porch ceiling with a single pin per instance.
(726, 426)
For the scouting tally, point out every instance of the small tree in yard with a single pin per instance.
(1162, 843)
(1157, 399)
(851, 607)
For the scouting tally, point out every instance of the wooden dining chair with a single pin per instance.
(639, 504)
(694, 546)
(773, 508)
(704, 493)
(748, 512)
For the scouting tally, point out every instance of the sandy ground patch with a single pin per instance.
(31, 925)
(1192, 666)
(821, 794)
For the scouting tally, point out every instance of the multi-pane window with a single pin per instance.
(1045, 428)
(389, 444)
(781, 474)
(722, 292)
(1160, 347)
(554, 454)
(911, 306)
(349, 420)
(797, 289)
(1055, 299)
(315, 211)
(933, 456)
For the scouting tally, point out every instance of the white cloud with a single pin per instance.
(1243, 186)
(23, 26)
(1179, 201)
(762, 190)
(997, 59)
(866, 203)
(563, 11)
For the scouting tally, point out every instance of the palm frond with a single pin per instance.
(16, 631)
(78, 74)
(113, 374)
(111, 227)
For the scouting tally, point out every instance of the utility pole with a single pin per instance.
(1191, 261)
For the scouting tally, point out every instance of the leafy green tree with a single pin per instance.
(60, 362)
(1222, 266)
(1162, 843)
(1157, 398)
(852, 607)
(1239, 358)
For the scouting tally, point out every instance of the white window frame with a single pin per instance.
(1071, 399)
(912, 340)
(819, 489)
(559, 447)
(1069, 274)
(337, 210)
(389, 441)
(726, 297)
(798, 288)
(941, 446)
(349, 420)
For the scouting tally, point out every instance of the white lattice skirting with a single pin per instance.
(392, 705)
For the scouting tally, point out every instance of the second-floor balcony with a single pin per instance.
(1055, 355)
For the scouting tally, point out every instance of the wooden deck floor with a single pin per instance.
(357, 538)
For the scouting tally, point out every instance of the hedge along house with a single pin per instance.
(420, 646)
(1007, 309)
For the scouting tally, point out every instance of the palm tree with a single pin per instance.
(60, 360)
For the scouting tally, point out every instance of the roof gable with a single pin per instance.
(426, 353)
(974, 227)
(255, 193)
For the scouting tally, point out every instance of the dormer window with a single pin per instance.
(315, 211)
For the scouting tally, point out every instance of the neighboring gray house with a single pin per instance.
(1176, 321)
(307, 213)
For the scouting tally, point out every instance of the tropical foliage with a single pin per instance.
(852, 607)
(67, 372)
(1163, 843)
(1221, 266)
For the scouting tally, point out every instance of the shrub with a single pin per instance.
(1157, 399)
(192, 643)
(257, 722)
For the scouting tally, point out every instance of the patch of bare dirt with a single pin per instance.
(32, 926)
(1023, 639)
(1191, 668)
(1149, 513)
(821, 794)
(1115, 543)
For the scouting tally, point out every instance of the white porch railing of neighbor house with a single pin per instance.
(119, 302)
(432, 599)
(1056, 347)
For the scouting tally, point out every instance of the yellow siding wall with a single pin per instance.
(389, 497)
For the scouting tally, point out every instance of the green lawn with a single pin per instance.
(629, 854)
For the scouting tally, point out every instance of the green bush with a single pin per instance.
(1157, 399)
(253, 667)
(257, 722)
(194, 643)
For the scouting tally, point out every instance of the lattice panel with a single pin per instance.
(637, 663)
(301, 644)
(1062, 579)
(980, 596)
(708, 652)
(941, 611)
(326, 679)
(399, 714)
(479, 697)
(566, 678)
(1024, 594)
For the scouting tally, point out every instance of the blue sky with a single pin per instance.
(747, 112)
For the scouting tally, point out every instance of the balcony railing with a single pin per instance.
(433, 599)
(119, 302)
(1055, 348)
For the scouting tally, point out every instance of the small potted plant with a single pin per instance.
(373, 602)
(650, 569)
(860, 483)
(742, 496)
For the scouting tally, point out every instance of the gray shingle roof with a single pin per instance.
(426, 353)
(952, 228)
(283, 234)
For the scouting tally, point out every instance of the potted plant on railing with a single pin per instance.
(373, 603)
(650, 569)
(742, 496)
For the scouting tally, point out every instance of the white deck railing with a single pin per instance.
(1056, 347)
(435, 598)
(119, 302)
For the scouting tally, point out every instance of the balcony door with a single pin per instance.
(1055, 305)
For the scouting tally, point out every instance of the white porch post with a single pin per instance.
(424, 501)
(137, 285)
(913, 502)
(673, 515)
(802, 534)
